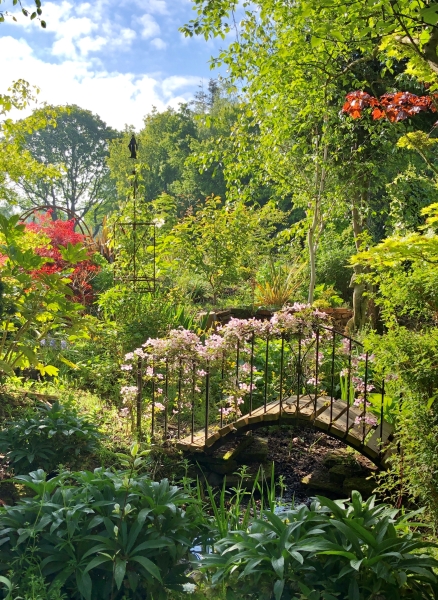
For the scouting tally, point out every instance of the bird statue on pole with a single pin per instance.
(133, 147)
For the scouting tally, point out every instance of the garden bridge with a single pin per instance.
(292, 369)
(333, 417)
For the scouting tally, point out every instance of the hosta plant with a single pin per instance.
(54, 435)
(101, 535)
(333, 550)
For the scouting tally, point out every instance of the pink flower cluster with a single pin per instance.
(185, 345)
(368, 419)
(182, 354)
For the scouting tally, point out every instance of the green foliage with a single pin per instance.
(326, 297)
(289, 134)
(402, 30)
(140, 316)
(332, 265)
(93, 362)
(404, 269)
(101, 535)
(409, 193)
(33, 305)
(331, 550)
(280, 285)
(32, 586)
(175, 150)
(227, 510)
(32, 14)
(76, 142)
(54, 435)
(17, 163)
(223, 243)
(409, 357)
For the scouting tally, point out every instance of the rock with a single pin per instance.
(217, 464)
(256, 453)
(341, 457)
(214, 479)
(243, 444)
(224, 468)
(319, 481)
(365, 487)
(340, 472)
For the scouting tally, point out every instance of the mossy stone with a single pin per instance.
(340, 472)
(243, 445)
(217, 464)
(337, 457)
(319, 481)
(256, 453)
(364, 486)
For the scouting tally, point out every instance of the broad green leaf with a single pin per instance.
(278, 589)
(148, 565)
(278, 565)
(119, 572)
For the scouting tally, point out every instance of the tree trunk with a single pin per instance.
(312, 258)
(317, 225)
(360, 299)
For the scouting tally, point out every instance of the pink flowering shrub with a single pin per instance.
(231, 362)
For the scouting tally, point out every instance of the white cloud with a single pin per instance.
(88, 44)
(157, 7)
(81, 28)
(158, 43)
(176, 82)
(150, 27)
(118, 98)
(123, 38)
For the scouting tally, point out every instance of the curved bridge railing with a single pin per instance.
(249, 373)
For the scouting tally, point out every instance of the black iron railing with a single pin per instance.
(185, 389)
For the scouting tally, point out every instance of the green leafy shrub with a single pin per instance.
(94, 363)
(333, 550)
(409, 360)
(51, 436)
(101, 535)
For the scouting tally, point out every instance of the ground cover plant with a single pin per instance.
(114, 534)
(100, 534)
(50, 435)
(327, 550)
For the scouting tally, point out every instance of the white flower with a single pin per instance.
(189, 588)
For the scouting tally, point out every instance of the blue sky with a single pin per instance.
(117, 58)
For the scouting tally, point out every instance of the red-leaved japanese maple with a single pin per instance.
(62, 233)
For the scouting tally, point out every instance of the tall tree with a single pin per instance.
(293, 61)
(167, 144)
(385, 28)
(16, 162)
(77, 142)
